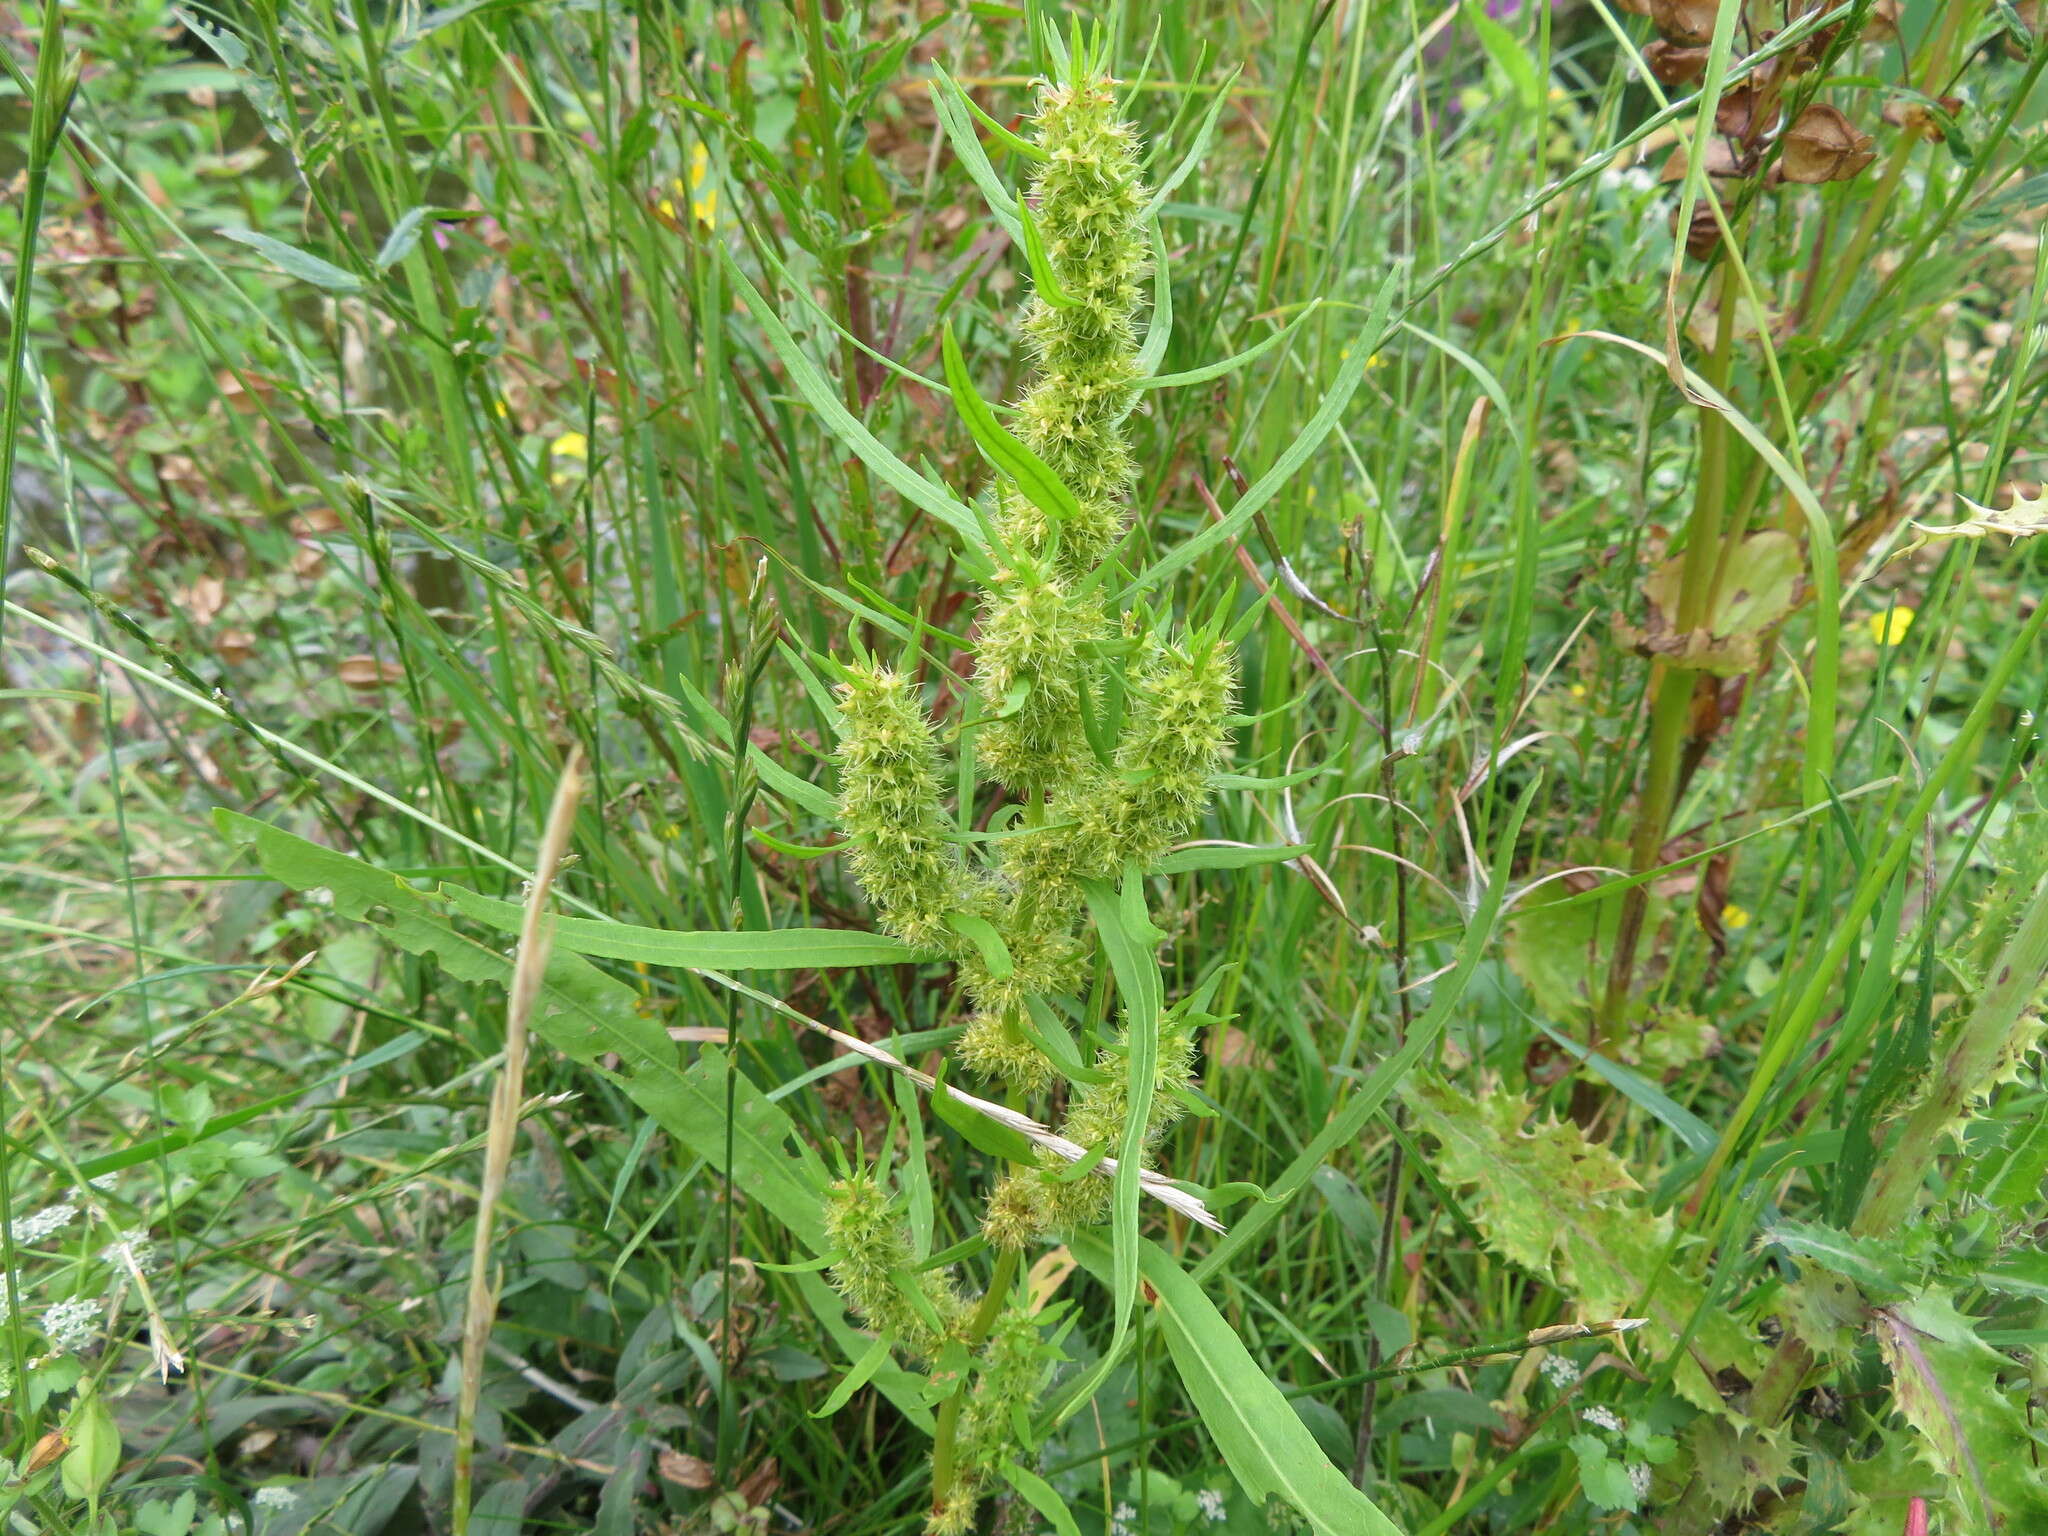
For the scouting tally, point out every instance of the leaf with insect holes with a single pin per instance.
(1972, 1428)
(1564, 1208)
(1759, 587)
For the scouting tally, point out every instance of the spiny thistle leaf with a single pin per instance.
(1563, 1207)
(1973, 1429)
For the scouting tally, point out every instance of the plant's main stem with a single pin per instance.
(1672, 686)
(946, 1435)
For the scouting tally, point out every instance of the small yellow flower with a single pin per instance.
(570, 445)
(1891, 626)
(1578, 690)
(1733, 916)
(502, 408)
(703, 199)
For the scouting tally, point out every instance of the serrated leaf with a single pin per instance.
(1972, 1429)
(1565, 1208)
(1879, 1267)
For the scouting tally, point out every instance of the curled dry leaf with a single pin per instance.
(1823, 145)
(1689, 23)
(683, 1469)
(204, 599)
(1882, 25)
(1703, 235)
(1673, 64)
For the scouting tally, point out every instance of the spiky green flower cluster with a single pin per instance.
(1091, 205)
(1027, 1203)
(924, 1314)
(874, 1270)
(1041, 641)
(1105, 729)
(892, 806)
(1012, 1370)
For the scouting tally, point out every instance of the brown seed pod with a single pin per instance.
(1689, 23)
(1673, 65)
(1703, 235)
(1721, 162)
(1823, 145)
(1736, 113)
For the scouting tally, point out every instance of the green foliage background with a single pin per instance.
(1624, 897)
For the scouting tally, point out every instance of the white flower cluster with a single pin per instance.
(136, 1244)
(276, 1497)
(1120, 1520)
(51, 1218)
(1212, 1504)
(1602, 1417)
(1639, 1477)
(70, 1325)
(1560, 1371)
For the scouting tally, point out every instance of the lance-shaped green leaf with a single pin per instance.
(1043, 278)
(1364, 344)
(1010, 457)
(959, 131)
(1263, 1440)
(819, 395)
(776, 949)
